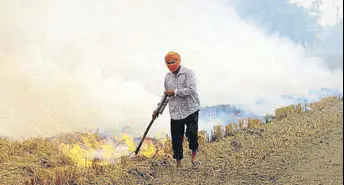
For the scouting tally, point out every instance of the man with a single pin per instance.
(184, 105)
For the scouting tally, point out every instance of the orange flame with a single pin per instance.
(92, 147)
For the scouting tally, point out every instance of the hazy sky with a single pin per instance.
(328, 9)
(67, 65)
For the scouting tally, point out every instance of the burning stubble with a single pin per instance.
(70, 65)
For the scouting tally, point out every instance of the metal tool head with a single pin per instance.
(132, 154)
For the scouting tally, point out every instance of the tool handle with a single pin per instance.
(150, 124)
(144, 136)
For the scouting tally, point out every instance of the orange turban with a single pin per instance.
(170, 56)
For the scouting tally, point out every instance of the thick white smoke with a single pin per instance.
(74, 65)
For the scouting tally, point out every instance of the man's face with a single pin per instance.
(173, 63)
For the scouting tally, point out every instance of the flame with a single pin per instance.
(129, 141)
(148, 148)
(77, 154)
(109, 151)
(89, 149)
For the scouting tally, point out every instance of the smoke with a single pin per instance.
(75, 65)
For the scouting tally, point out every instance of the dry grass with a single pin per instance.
(217, 133)
(259, 154)
(229, 131)
(254, 123)
(241, 124)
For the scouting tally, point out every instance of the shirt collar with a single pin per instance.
(181, 71)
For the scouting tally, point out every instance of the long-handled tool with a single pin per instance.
(160, 109)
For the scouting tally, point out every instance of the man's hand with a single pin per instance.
(155, 114)
(170, 92)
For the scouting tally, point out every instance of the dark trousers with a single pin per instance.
(177, 133)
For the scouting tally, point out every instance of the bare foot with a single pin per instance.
(179, 164)
(194, 157)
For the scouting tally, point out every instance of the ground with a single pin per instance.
(304, 148)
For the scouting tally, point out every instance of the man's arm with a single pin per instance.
(164, 103)
(190, 85)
